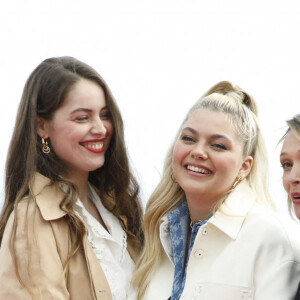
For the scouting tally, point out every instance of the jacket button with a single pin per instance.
(245, 294)
(167, 228)
(199, 253)
(204, 231)
(197, 290)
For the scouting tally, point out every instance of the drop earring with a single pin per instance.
(46, 148)
(237, 181)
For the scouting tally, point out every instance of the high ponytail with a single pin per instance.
(235, 92)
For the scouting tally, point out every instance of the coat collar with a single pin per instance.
(48, 197)
(232, 213)
(230, 216)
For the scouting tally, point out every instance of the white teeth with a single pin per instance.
(198, 170)
(94, 146)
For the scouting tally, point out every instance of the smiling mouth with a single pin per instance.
(295, 197)
(198, 170)
(95, 147)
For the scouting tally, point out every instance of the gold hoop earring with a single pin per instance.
(237, 181)
(46, 149)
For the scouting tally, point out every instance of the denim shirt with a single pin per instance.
(179, 221)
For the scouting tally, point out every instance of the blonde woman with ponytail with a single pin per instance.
(210, 228)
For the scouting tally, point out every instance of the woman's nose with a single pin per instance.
(98, 127)
(294, 175)
(199, 152)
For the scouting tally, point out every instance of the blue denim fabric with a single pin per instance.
(179, 221)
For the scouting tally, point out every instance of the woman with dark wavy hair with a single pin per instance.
(70, 227)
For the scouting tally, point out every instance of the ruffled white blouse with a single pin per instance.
(110, 247)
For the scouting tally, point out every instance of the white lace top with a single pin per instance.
(110, 248)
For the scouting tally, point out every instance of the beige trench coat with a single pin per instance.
(43, 243)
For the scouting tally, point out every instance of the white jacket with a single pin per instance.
(245, 251)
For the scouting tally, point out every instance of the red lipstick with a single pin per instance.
(94, 145)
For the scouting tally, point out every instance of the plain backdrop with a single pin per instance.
(158, 58)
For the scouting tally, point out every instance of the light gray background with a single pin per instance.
(159, 57)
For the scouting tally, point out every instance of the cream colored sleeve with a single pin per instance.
(278, 269)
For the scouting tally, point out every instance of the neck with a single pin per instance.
(81, 182)
(199, 209)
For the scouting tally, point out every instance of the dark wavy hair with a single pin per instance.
(44, 92)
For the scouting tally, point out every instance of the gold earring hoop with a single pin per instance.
(46, 148)
(237, 181)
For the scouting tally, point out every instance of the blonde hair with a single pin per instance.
(294, 127)
(241, 109)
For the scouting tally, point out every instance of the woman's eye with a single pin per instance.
(105, 115)
(187, 138)
(219, 146)
(286, 165)
(81, 118)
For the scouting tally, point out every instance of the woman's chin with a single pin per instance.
(297, 211)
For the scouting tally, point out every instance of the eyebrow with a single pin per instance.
(80, 109)
(192, 130)
(214, 136)
(285, 153)
(86, 109)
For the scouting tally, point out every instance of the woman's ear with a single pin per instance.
(41, 130)
(246, 167)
